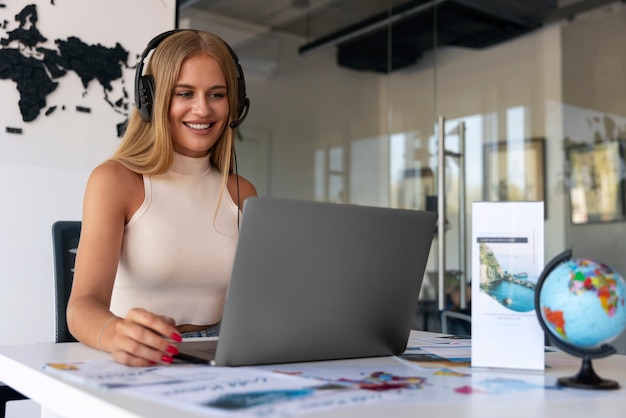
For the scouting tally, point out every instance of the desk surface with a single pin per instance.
(21, 368)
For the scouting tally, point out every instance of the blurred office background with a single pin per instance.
(347, 95)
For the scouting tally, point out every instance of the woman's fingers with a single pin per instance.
(143, 339)
(162, 325)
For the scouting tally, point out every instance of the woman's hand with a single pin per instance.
(140, 339)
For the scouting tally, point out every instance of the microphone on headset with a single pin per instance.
(244, 112)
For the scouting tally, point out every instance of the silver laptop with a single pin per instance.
(319, 281)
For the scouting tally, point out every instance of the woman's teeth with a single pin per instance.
(198, 125)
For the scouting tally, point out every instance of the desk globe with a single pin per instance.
(580, 304)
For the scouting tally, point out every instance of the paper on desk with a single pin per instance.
(214, 390)
(292, 390)
(284, 390)
(440, 351)
(111, 375)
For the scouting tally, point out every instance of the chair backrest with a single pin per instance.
(65, 236)
(456, 323)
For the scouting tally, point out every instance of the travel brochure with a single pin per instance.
(507, 260)
(431, 370)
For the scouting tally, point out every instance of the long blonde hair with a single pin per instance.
(147, 147)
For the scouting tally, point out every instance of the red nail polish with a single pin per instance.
(176, 337)
(167, 359)
(152, 363)
(172, 349)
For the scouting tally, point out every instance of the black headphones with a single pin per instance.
(144, 84)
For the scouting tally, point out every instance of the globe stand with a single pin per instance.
(587, 378)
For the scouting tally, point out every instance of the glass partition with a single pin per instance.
(533, 99)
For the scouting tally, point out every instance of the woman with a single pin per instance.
(160, 218)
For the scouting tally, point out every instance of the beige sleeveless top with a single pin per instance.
(178, 248)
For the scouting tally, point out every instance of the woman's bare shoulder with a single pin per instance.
(112, 170)
(115, 175)
(112, 183)
(240, 188)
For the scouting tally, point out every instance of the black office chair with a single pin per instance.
(65, 235)
(456, 323)
(7, 394)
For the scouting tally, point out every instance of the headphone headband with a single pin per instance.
(145, 86)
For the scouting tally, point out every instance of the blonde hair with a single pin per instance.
(147, 147)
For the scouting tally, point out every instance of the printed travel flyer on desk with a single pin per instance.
(431, 371)
(507, 260)
(283, 390)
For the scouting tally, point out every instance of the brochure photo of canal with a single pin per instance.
(507, 272)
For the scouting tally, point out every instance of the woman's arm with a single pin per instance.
(112, 195)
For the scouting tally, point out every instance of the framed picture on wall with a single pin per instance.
(596, 189)
(514, 171)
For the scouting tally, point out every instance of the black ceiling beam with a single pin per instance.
(369, 25)
(397, 39)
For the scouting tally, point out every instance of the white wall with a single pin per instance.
(596, 110)
(43, 171)
(34, 197)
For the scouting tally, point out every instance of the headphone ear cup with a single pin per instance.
(145, 91)
(242, 103)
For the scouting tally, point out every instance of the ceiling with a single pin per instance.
(310, 19)
(361, 29)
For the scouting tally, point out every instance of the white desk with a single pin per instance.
(20, 367)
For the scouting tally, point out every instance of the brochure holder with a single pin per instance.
(507, 260)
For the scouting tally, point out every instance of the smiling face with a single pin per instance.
(198, 111)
